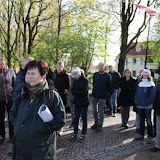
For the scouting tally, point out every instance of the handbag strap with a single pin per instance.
(51, 96)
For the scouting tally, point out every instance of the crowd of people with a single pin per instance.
(36, 85)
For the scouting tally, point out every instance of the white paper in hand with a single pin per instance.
(45, 113)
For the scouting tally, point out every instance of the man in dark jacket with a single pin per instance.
(7, 86)
(80, 91)
(101, 89)
(62, 81)
(115, 80)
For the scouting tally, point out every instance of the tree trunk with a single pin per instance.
(8, 37)
(30, 43)
(58, 31)
(24, 41)
(124, 40)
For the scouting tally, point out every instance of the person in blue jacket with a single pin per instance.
(144, 99)
(101, 91)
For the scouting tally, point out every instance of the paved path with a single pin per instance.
(113, 142)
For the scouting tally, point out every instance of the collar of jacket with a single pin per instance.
(102, 72)
(126, 79)
(63, 72)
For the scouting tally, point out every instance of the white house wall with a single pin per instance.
(138, 65)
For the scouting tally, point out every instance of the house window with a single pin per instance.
(134, 60)
(127, 61)
(134, 73)
(138, 48)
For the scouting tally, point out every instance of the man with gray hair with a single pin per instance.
(7, 86)
(101, 89)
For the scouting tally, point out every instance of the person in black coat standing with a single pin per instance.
(112, 99)
(127, 95)
(81, 101)
(62, 81)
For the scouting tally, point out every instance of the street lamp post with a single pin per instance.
(146, 56)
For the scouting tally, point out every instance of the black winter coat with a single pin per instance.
(61, 84)
(115, 80)
(51, 76)
(80, 91)
(156, 104)
(128, 89)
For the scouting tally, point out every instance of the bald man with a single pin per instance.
(101, 90)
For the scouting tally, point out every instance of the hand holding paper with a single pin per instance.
(45, 113)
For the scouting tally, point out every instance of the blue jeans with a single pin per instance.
(98, 110)
(80, 111)
(145, 114)
(113, 102)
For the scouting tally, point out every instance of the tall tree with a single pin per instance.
(8, 29)
(29, 16)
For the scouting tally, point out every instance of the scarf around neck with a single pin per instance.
(34, 89)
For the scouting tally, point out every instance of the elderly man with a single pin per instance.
(62, 81)
(62, 84)
(101, 89)
(7, 85)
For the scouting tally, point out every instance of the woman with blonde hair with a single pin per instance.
(127, 95)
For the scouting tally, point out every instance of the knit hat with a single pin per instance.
(75, 72)
(146, 72)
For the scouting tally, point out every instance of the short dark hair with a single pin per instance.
(41, 65)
